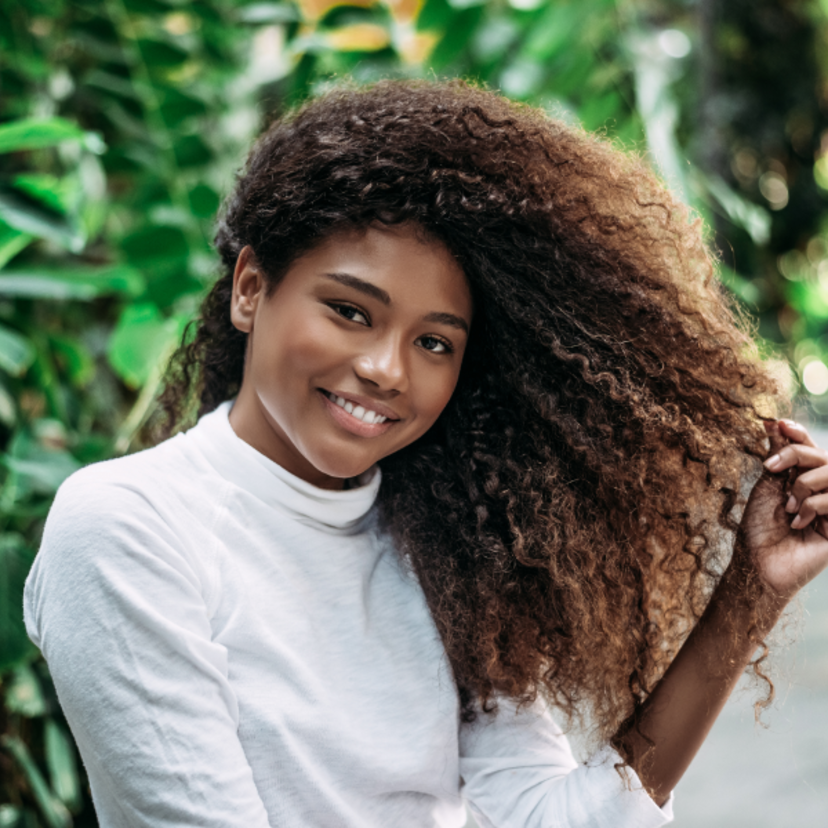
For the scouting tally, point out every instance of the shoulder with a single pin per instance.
(161, 479)
(158, 504)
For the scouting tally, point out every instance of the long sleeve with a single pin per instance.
(518, 772)
(117, 604)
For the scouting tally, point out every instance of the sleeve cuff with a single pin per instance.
(621, 796)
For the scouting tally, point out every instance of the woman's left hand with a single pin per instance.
(785, 523)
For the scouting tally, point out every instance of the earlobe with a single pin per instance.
(248, 284)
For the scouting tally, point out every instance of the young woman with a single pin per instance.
(476, 433)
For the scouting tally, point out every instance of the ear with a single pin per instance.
(248, 290)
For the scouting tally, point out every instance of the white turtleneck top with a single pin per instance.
(235, 647)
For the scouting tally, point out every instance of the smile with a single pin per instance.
(357, 411)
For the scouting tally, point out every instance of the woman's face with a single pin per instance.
(355, 353)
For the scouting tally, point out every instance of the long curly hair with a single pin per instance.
(571, 510)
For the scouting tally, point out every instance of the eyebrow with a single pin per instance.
(447, 319)
(358, 284)
(379, 294)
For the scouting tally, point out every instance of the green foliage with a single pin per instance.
(122, 121)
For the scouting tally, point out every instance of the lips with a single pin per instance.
(359, 415)
(358, 412)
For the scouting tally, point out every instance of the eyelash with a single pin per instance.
(338, 307)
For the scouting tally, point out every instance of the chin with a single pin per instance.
(343, 468)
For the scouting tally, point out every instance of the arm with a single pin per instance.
(785, 555)
(116, 602)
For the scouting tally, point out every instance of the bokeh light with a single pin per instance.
(815, 377)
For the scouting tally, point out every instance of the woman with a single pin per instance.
(475, 427)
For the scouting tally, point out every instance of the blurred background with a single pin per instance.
(121, 125)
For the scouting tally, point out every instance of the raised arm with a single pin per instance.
(784, 554)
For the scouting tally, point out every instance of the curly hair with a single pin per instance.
(569, 513)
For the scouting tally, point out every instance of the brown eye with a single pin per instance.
(351, 313)
(435, 345)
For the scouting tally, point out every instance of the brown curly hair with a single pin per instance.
(569, 512)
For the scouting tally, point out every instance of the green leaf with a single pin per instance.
(8, 410)
(41, 470)
(192, 151)
(72, 283)
(752, 218)
(554, 32)
(23, 692)
(141, 339)
(809, 298)
(153, 244)
(204, 201)
(268, 13)
(11, 817)
(16, 352)
(36, 133)
(53, 192)
(62, 765)
(53, 810)
(15, 561)
(178, 106)
(28, 216)
(160, 54)
(12, 241)
(75, 359)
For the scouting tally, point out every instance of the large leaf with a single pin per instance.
(141, 340)
(24, 694)
(36, 133)
(40, 470)
(15, 561)
(53, 810)
(62, 764)
(8, 410)
(72, 282)
(12, 241)
(54, 193)
(29, 216)
(161, 54)
(16, 352)
(752, 218)
(11, 817)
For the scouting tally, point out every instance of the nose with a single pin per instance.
(383, 364)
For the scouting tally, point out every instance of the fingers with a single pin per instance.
(795, 432)
(808, 496)
(807, 484)
(811, 507)
(797, 454)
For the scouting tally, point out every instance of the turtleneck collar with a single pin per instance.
(338, 512)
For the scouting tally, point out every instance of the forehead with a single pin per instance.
(414, 269)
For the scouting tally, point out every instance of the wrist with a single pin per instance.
(744, 599)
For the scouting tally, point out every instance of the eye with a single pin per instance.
(435, 345)
(351, 313)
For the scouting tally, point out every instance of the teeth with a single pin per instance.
(359, 412)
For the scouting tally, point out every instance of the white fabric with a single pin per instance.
(234, 647)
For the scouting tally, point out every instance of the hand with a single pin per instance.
(785, 523)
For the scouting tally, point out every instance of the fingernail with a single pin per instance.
(795, 523)
(791, 424)
(772, 462)
(790, 506)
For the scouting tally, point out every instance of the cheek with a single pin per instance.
(300, 350)
(434, 393)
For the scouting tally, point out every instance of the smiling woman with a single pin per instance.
(473, 424)
(376, 318)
